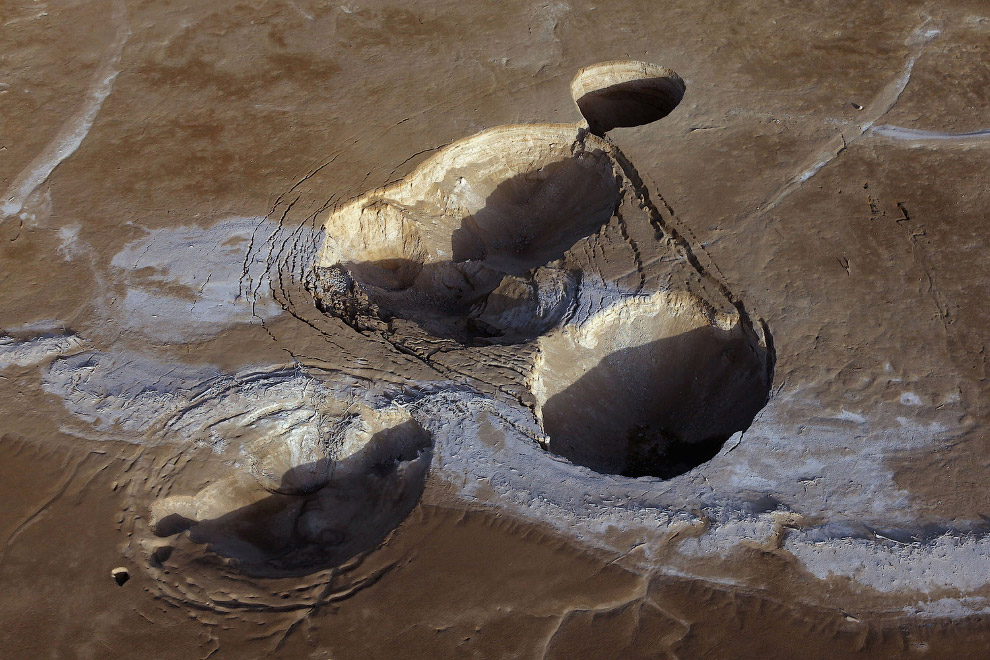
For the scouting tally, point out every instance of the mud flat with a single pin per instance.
(474, 330)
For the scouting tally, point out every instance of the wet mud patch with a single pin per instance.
(182, 283)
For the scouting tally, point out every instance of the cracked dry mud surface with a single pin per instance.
(331, 330)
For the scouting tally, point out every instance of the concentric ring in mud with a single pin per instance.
(283, 475)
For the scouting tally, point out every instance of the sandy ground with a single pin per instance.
(166, 170)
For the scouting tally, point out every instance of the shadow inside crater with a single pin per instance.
(367, 495)
(465, 301)
(508, 248)
(629, 103)
(658, 409)
(534, 217)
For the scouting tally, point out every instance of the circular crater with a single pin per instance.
(312, 484)
(649, 386)
(467, 246)
(625, 93)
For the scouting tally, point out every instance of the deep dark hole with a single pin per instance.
(660, 409)
(653, 452)
(631, 103)
(120, 577)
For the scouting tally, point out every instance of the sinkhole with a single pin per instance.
(466, 246)
(649, 386)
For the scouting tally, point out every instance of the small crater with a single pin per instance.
(625, 93)
(120, 575)
(313, 491)
(650, 386)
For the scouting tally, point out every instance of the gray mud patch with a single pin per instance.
(185, 283)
